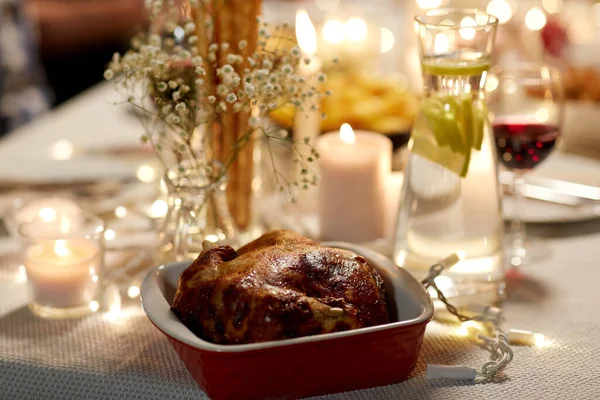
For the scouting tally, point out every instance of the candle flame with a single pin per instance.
(306, 34)
(47, 214)
(347, 134)
(60, 248)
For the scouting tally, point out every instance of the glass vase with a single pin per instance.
(197, 212)
(450, 201)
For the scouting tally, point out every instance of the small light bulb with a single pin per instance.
(94, 306)
(535, 19)
(133, 292)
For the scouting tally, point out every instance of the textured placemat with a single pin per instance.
(127, 358)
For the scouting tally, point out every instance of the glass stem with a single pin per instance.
(517, 227)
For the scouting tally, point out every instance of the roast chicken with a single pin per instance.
(279, 286)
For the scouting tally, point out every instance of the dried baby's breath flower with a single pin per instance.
(191, 82)
(231, 98)
(109, 74)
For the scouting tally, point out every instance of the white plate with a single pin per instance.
(45, 171)
(567, 167)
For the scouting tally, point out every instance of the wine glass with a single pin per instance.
(527, 106)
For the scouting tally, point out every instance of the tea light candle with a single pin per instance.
(63, 273)
(307, 122)
(354, 169)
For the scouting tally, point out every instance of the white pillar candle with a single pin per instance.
(63, 273)
(354, 169)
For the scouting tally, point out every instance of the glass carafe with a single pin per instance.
(451, 202)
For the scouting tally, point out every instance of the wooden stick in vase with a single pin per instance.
(235, 20)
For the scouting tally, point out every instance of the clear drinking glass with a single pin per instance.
(450, 201)
(63, 256)
(527, 105)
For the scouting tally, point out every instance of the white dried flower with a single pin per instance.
(166, 109)
(200, 71)
(231, 98)
(190, 27)
(184, 88)
(242, 44)
(224, 46)
(232, 58)
(173, 84)
(287, 69)
(180, 107)
(222, 90)
(154, 40)
(213, 47)
(173, 119)
(200, 82)
(212, 57)
(197, 61)
(222, 106)
(249, 89)
(185, 54)
(235, 81)
(170, 26)
(227, 69)
(162, 86)
(253, 121)
(109, 74)
(176, 95)
(267, 64)
(193, 40)
(262, 73)
(237, 107)
(212, 99)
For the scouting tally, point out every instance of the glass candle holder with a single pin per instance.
(64, 261)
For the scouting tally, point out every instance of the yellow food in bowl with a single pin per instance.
(365, 102)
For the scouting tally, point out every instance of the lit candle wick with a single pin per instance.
(60, 248)
(347, 134)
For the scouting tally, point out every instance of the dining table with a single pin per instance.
(123, 356)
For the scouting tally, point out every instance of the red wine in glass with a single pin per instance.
(523, 144)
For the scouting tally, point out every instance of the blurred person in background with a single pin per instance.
(51, 50)
(77, 38)
(23, 93)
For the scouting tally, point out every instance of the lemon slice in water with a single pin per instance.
(450, 127)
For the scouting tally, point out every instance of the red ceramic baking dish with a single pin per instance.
(306, 366)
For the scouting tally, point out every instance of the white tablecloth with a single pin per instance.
(127, 358)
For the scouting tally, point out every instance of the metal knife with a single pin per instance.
(554, 190)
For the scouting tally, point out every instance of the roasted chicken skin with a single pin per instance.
(279, 286)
